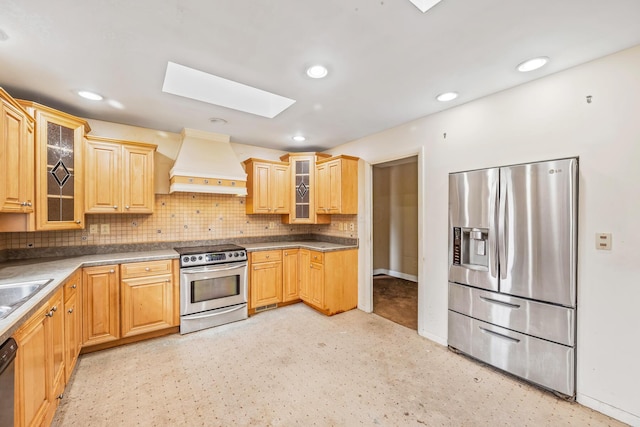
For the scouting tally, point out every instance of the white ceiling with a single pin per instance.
(387, 60)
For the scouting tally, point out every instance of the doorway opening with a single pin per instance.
(395, 240)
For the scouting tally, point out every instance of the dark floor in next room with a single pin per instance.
(396, 299)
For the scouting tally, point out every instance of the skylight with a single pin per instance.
(195, 84)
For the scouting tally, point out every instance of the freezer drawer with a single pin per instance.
(550, 322)
(542, 362)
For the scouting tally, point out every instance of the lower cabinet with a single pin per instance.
(72, 322)
(39, 374)
(265, 278)
(100, 304)
(329, 281)
(147, 296)
(123, 301)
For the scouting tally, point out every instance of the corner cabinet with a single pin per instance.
(329, 281)
(268, 187)
(16, 157)
(303, 194)
(337, 185)
(100, 304)
(59, 173)
(119, 176)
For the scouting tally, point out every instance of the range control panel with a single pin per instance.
(193, 260)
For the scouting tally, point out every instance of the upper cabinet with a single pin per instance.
(16, 157)
(119, 176)
(337, 185)
(59, 170)
(268, 187)
(303, 195)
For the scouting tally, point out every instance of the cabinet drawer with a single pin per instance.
(315, 256)
(147, 268)
(72, 285)
(264, 256)
(543, 362)
(542, 320)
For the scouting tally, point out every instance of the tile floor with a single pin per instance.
(293, 366)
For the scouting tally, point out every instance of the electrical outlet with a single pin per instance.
(352, 226)
(105, 228)
(340, 226)
(93, 229)
(603, 241)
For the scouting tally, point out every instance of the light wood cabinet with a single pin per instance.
(337, 185)
(16, 157)
(329, 281)
(303, 190)
(268, 187)
(59, 167)
(290, 275)
(100, 304)
(147, 290)
(72, 321)
(120, 177)
(39, 371)
(265, 278)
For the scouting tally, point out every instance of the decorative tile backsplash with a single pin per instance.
(178, 217)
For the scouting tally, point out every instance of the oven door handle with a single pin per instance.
(202, 316)
(213, 270)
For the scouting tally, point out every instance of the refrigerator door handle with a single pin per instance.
(493, 238)
(499, 335)
(495, 301)
(502, 228)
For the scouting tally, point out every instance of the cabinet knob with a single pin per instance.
(112, 271)
(70, 311)
(147, 269)
(49, 314)
(167, 280)
(74, 286)
(78, 221)
(54, 308)
(60, 396)
(268, 256)
(115, 207)
(29, 204)
(126, 207)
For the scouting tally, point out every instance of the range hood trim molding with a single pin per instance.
(211, 189)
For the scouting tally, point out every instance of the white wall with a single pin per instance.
(546, 119)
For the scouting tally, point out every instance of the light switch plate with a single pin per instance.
(603, 241)
(105, 228)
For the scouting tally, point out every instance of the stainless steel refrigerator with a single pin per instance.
(512, 269)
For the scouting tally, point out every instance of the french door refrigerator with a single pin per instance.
(512, 269)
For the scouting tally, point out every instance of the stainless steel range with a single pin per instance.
(213, 286)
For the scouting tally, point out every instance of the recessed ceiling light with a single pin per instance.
(90, 95)
(447, 96)
(532, 64)
(299, 138)
(317, 71)
(424, 5)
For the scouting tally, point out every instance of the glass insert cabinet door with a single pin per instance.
(59, 168)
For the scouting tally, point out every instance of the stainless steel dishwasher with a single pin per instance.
(7, 374)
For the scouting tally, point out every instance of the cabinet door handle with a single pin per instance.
(78, 221)
(49, 314)
(74, 286)
(126, 207)
(115, 207)
(112, 271)
(70, 311)
(54, 308)
(147, 269)
(60, 396)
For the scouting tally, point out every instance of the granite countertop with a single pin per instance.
(59, 269)
(304, 244)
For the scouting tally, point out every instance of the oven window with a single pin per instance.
(215, 288)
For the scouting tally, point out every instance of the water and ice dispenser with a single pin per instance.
(470, 247)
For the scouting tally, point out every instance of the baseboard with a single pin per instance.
(396, 274)
(435, 338)
(612, 411)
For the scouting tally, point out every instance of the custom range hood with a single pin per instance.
(206, 163)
